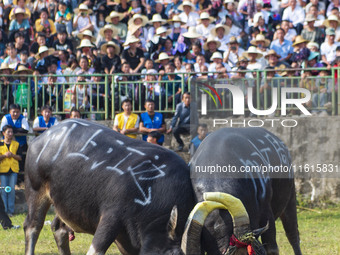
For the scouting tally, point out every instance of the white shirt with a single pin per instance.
(190, 20)
(233, 58)
(36, 123)
(115, 123)
(204, 31)
(224, 41)
(329, 50)
(297, 16)
(24, 123)
(290, 35)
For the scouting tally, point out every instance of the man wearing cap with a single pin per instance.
(82, 21)
(328, 48)
(217, 60)
(282, 46)
(233, 53)
(110, 61)
(312, 33)
(273, 59)
(205, 27)
(188, 16)
(295, 15)
(211, 46)
(107, 34)
(221, 34)
(19, 23)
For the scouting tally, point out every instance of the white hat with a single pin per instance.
(108, 27)
(205, 15)
(216, 54)
(83, 8)
(5, 66)
(192, 33)
(163, 56)
(186, 3)
(252, 50)
(259, 38)
(330, 18)
(211, 38)
(114, 14)
(43, 49)
(176, 18)
(110, 43)
(85, 43)
(138, 16)
(88, 33)
(133, 28)
(157, 18)
(130, 39)
(310, 45)
(257, 17)
(162, 30)
(19, 10)
(226, 29)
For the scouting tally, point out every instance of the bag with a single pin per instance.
(67, 101)
(21, 96)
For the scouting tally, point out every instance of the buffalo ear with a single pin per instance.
(173, 223)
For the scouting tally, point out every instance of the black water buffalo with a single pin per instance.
(265, 196)
(105, 184)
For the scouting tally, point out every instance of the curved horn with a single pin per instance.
(236, 209)
(191, 239)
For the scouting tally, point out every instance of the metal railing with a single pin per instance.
(101, 95)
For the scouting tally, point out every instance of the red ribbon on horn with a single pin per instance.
(235, 242)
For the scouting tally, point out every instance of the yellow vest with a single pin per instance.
(9, 163)
(131, 122)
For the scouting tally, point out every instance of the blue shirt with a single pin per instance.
(16, 26)
(156, 122)
(282, 49)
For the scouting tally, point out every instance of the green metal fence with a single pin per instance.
(100, 96)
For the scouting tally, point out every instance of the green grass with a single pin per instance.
(320, 235)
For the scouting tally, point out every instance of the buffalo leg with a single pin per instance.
(60, 232)
(105, 234)
(290, 224)
(269, 237)
(38, 206)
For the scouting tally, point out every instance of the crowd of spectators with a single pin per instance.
(155, 38)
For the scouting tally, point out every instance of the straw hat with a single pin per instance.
(226, 29)
(242, 59)
(138, 16)
(163, 56)
(88, 33)
(110, 43)
(310, 17)
(211, 38)
(216, 54)
(259, 38)
(133, 28)
(114, 14)
(228, 2)
(252, 50)
(205, 15)
(310, 45)
(272, 52)
(298, 40)
(157, 18)
(186, 3)
(108, 27)
(5, 66)
(174, 19)
(85, 43)
(130, 39)
(330, 18)
(83, 8)
(19, 10)
(280, 67)
(162, 30)
(43, 49)
(192, 33)
(22, 68)
(233, 40)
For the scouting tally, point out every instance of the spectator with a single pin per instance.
(80, 94)
(221, 34)
(320, 18)
(301, 53)
(210, 47)
(179, 67)
(163, 60)
(63, 19)
(137, 31)
(133, 55)
(72, 69)
(6, 89)
(153, 90)
(328, 48)
(40, 41)
(23, 60)
(273, 58)
(200, 61)
(282, 46)
(232, 54)
(107, 34)
(261, 43)
(333, 22)
(153, 137)
(5, 221)
(322, 91)
(38, 5)
(186, 122)
(10, 155)
(20, 44)
(114, 18)
(176, 29)
(254, 56)
(20, 4)
(126, 123)
(188, 16)
(13, 58)
(312, 33)
(75, 113)
(202, 132)
(111, 61)
(156, 22)
(19, 22)
(172, 86)
(82, 21)
(205, 26)
(295, 15)
(290, 32)
(217, 59)
(62, 42)
(44, 24)
(152, 121)
(45, 121)
(43, 59)
(86, 55)
(173, 8)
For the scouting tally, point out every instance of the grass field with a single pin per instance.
(320, 235)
